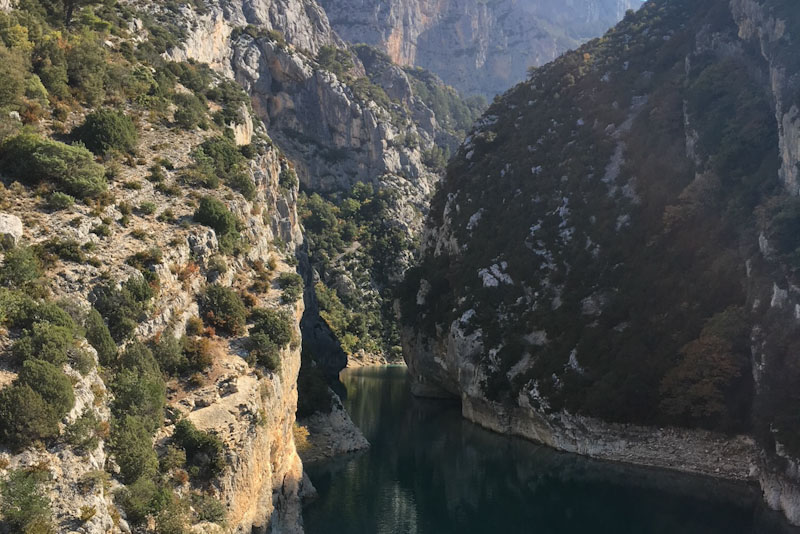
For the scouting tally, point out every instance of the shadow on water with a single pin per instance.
(430, 471)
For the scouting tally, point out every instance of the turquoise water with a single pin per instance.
(431, 472)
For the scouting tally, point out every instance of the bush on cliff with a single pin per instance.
(223, 309)
(104, 131)
(205, 453)
(215, 214)
(32, 159)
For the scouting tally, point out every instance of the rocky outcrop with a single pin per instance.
(333, 137)
(301, 22)
(331, 434)
(759, 23)
(366, 123)
(697, 452)
(478, 47)
(252, 411)
(10, 230)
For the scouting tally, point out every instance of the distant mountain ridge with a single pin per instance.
(476, 46)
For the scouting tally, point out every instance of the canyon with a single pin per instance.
(606, 265)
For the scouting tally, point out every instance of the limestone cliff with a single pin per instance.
(478, 47)
(341, 115)
(646, 190)
(334, 136)
(249, 409)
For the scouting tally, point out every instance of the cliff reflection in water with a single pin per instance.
(430, 471)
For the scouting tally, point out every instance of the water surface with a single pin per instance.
(429, 471)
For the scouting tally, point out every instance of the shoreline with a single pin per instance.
(695, 452)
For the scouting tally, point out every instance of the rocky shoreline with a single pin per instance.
(688, 451)
(331, 434)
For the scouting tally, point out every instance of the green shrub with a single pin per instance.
(13, 75)
(168, 352)
(215, 214)
(142, 498)
(205, 453)
(209, 508)
(45, 341)
(174, 457)
(217, 263)
(287, 178)
(198, 353)
(33, 159)
(132, 446)
(146, 258)
(335, 60)
(147, 208)
(83, 433)
(278, 325)
(194, 76)
(139, 388)
(25, 417)
(50, 383)
(86, 68)
(25, 505)
(13, 306)
(292, 286)
(220, 157)
(60, 201)
(67, 250)
(122, 307)
(191, 111)
(21, 268)
(23, 312)
(173, 519)
(98, 335)
(224, 310)
(105, 130)
(264, 351)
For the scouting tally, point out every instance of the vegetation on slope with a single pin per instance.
(356, 248)
(619, 269)
(78, 98)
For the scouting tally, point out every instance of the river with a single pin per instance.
(429, 471)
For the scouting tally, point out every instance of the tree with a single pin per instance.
(25, 417)
(132, 444)
(706, 388)
(65, 9)
(106, 130)
(224, 310)
(98, 335)
(51, 383)
(25, 504)
(276, 324)
(205, 452)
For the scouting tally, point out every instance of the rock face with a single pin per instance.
(331, 435)
(251, 411)
(478, 47)
(369, 121)
(333, 137)
(593, 318)
(10, 230)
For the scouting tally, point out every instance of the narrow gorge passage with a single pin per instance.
(429, 471)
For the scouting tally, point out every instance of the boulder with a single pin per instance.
(10, 230)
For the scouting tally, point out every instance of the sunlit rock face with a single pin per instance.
(478, 47)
